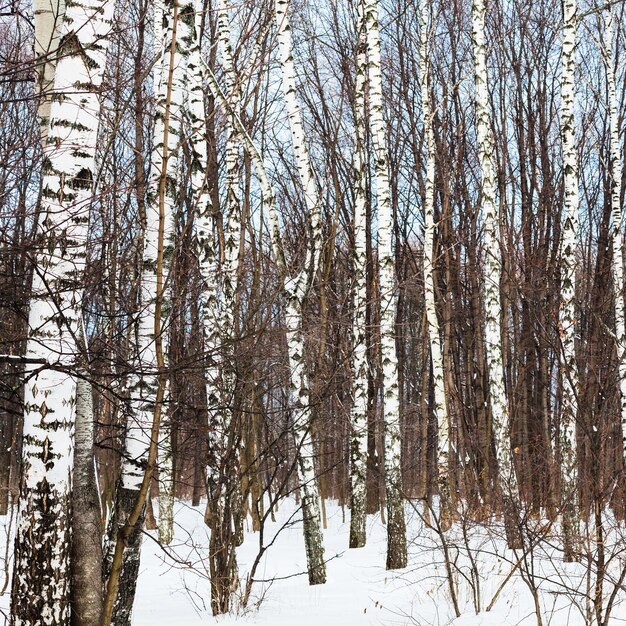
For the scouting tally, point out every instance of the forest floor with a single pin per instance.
(173, 584)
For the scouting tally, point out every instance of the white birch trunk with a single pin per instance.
(206, 244)
(233, 218)
(40, 593)
(269, 202)
(299, 402)
(229, 274)
(144, 380)
(434, 336)
(294, 333)
(158, 233)
(218, 327)
(358, 413)
(48, 19)
(491, 283)
(617, 218)
(296, 289)
(185, 34)
(567, 310)
(396, 525)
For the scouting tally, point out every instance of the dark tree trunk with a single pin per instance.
(86, 556)
(123, 607)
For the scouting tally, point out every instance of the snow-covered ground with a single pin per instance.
(359, 589)
(173, 586)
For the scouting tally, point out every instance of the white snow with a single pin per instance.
(359, 589)
(174, 587)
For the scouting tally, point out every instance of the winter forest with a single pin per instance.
(312, 311)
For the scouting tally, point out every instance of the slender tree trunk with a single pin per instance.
(41, 575)
(296, 289)
(617, 218)
(220, 482)
(299, 394)
(567, 309)
(500, 419)
(396, 525)
(146, 395)
(185, 29)
(434, 336)
(373, 474)
(229, 279)
(86, 557)
(358, 415)
(206, 246)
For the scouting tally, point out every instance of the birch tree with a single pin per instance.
(48, 20)
(296, 289)
(144, 378)
(232, 193)
(166, 168)
(358, 411)
(227, 516)
(40, 591)
(306, 475)
(396, 525)
(617, 217)
(491, 284)
(440, 408)
(567, 309)
(147, 385)
(217, 323)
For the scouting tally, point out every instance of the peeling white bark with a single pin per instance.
(617, 217)
(40, 593)
(358, 413)
(568, 266)
(434, 336)
(206, 250)
(185, 34)
(396, 525)
(296, 290)
(492, 267)
(158, 233)
(233, 170)
(143, 381)
(218, 318)
(48, 19)
(171, 23)
(229, 276)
